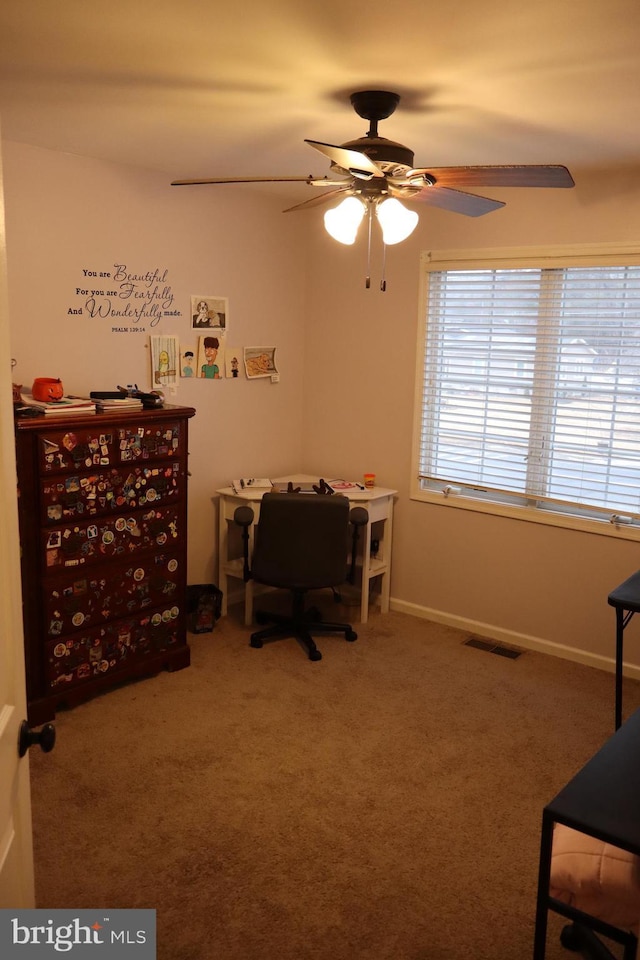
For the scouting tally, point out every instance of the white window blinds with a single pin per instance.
(531, 387)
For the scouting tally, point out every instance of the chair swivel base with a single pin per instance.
(299, 627)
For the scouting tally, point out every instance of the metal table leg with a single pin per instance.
(544, 874)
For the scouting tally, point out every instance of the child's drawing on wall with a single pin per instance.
(164, 360)
(260, 362)
(209, 311)
(211, 357)
(187, 363)
(232, 362)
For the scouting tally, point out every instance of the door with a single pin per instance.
(16, 853)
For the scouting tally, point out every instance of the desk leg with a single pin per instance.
(544, 873)
(385, 585)
(223, 548)
(366, 582)
(620, 625)
(248, 587)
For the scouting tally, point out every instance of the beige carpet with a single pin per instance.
(382, 804)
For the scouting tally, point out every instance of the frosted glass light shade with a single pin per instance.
(343, 221)
(396, 221)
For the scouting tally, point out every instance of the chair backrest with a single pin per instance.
(301, 541)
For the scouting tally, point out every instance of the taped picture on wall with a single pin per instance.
(232, 362)
(209, 311)
(165, 351)
(211, 356)
(260, 362)
(188, 362)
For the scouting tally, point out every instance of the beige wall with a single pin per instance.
(66, 213)
(346, 355)
(516, 581)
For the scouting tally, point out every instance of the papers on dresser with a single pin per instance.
(61, 407)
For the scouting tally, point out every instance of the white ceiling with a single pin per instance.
(198, 88)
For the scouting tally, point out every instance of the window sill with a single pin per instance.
(602, 528)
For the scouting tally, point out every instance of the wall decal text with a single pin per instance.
(130, 300)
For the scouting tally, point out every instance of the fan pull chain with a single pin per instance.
(383, 282)
(367, 282)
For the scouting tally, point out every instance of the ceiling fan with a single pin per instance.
(375, 167)
(373, 173)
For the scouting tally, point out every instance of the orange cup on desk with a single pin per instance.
(369, 480)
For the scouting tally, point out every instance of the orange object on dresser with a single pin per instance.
(47, 389)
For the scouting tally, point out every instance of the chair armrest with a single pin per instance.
(243, 516)
(358, 516)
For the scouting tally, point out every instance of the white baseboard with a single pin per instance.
(511, 638)
(500, 635)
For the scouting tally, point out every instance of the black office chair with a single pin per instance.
(301, 543)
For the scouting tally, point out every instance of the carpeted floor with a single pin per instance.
(382, 804)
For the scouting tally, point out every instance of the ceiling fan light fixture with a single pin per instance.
(397, 223)
(342, 222)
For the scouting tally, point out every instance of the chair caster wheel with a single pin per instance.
(315, 655)
(351, 635)
(570, 938)
(255, 643)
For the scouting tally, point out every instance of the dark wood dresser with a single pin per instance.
(103, 534)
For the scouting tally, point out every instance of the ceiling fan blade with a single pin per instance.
(319, 198)
(515, 175)
(457, 201)
(358, 164)
(315, 181)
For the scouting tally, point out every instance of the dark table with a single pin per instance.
(626, 601)
(603, 801)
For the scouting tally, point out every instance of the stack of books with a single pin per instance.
(61, 407)
(117, 403)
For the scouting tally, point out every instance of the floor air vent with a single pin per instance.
(492, 647)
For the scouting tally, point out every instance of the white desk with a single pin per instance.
(378, 502)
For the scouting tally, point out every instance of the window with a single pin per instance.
(529, 385)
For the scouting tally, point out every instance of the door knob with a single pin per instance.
(45, 737)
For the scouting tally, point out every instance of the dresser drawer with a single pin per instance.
(112, 648)
(74, 604)
(109, 490)
(88, 543)
(65, 448)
